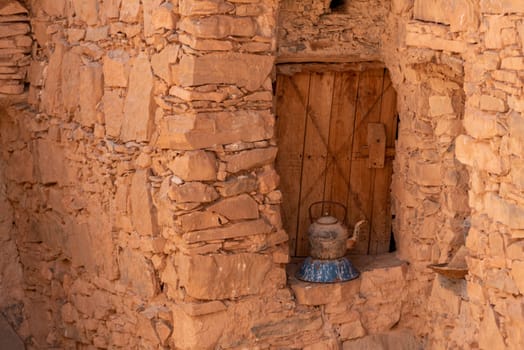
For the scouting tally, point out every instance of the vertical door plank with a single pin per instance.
(381, 232)
(341, 137)
(360, 200)
(292, 99)
(315, 151)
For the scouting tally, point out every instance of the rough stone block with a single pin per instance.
(425, 174)
(129, 10)
(70, 70)
(205, 130)
(440, 105)
(139, 105)
(245, 228)
(482, 125)
(493, 104)
(86, 11)
(489, 332)
(195, 166)
(113, 107)
(236, 208)
(251, 159)
(479, 155)
(237, 185)
(141, 204)
(20, 166)
(116, 68)
(12, 8)
(430, 41)
(192, 192)
(50, 161)
(197, 332)
(289, 326)
(245, 70)
(200, 220)
(161, 62)
(503, 211)
(216, 276)
(137, 272)
(92, 87)
(322, 294)
(501, 6)
(205, 7)
(401, 339)
(459, 14)
(351, 330)
(12, 29)
(219, 27)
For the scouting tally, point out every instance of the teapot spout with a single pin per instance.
(351, 242)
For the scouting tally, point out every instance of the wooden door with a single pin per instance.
(336, 134)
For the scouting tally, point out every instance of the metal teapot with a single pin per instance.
(328, 236)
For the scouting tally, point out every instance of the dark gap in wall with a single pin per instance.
(336, 4)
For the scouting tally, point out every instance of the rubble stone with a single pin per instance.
(234, 275)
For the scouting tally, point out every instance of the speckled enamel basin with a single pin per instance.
(327, 271)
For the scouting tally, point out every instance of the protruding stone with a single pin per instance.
(250, 159)
(216, 276)
(245, 228)
(219, 27)
(237, 185)
(195, 166)
(138, 106)
(201, 220)
(244, 70)
(192, 192)
(205, 130)
(236, 208)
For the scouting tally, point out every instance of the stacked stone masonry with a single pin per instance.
(140, 207)
(15, 47)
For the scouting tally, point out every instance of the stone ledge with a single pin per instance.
(372, 267)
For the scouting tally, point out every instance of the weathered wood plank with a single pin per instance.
(381, 223)
(341, 137)
(360, 201)
(315, 151)
(292, 99)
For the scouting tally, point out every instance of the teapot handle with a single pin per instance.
(356, 230)
(327, 202)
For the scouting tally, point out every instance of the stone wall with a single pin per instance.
(139, 195)
(311, 31)
(468, 53)
(15, 47)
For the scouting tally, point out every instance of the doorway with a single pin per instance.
(336, 129)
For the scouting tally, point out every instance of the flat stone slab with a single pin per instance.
(373, 268)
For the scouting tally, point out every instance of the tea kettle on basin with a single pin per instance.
(329, 241)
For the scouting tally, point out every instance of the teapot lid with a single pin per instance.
(327, 220)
